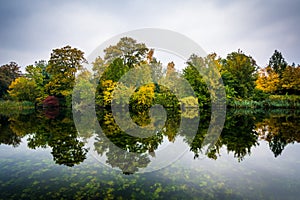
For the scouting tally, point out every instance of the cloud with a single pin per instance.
(31, 29)
(258, 29)
(39, 29)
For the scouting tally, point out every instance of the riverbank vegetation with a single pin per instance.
(130, 73)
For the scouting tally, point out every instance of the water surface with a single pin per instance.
(42, 155)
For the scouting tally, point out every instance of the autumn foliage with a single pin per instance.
(130, 73)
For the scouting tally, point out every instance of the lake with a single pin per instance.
(44, 156)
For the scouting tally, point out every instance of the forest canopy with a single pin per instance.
(243, 80)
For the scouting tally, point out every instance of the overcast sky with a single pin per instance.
(31, 29)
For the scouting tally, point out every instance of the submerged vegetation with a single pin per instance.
(271, 102)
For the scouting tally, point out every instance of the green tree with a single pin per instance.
(8, 73)
(39, 75)
(277, 62)
(99, 67)
(243, 72)
(124, 54)
(83, 93)
(192, 75)
(127, 49)
(208, 84)
(115, 70)
(63, 65)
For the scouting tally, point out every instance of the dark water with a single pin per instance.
(43, 156)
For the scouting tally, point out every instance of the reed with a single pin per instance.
(273, 101)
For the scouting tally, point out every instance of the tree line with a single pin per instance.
(243, 80)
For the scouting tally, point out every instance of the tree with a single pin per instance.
(277, 63)
(8, 73)
(39, 75)
(111, 75)
(99, 67)
(63, 65)
(144, 96)
(23, 89)
(268, 80)
(108, 87)
(170, 69)
(203, 75)
(38, 72)
(115, 70)
(118, 60)
(291, 79)
(127, 49)
(192, 75)
(156, 68)
(242, 69)
(83, 93)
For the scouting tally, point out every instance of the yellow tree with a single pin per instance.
(108, 87)
(23, 89)
(144, 96)
(291, 79)
(268, 80)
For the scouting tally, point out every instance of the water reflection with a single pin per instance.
(279, 130)
(242, 131)
(57, 132)
(127, 151)
(8, 136)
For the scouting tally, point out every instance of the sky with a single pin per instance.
(30, 29)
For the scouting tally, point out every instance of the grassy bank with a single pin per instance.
(273, 101)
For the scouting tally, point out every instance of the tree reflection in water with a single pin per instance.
(143, 147)
(242, 131)
(279, 129)
(57, 132)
